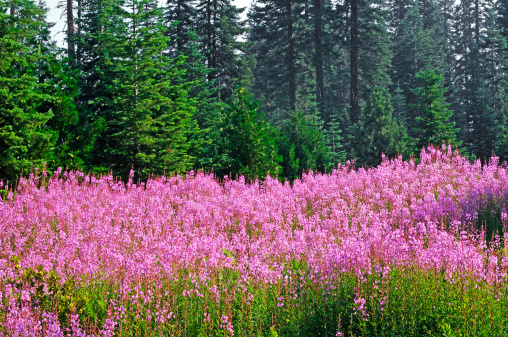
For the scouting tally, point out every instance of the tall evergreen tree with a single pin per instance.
(318, 52)
(98, 21)
(179, 17)
(433, 122)
(334, 139)
(414, 49)
(378, 132)
(303, 146)
(274, 36)
(502, 17)
(369, 51)
(495, 116)
(475, 75)
(219, 28)
(249, 139)
(148, 119)
(33, 90)
(210, 111)
(68, 8)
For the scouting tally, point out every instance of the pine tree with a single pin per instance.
(400, 109)
(334, 140)
(303, 146)
(249, 139)
(414, 49)
(98, 21)
(321, 59)
(209, 110)
(29, 96)
(179, 16)
(370, 55)
(378, 132)
(432, 124)
(495, 56)
(318, 53)
(467, 69)
(354, 41)
(502, 17)
(59, 82)
(273, 36)
(219, 28)
(149, 120)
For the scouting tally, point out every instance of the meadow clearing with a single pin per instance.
(402, 249)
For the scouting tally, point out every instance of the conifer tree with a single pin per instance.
(400, 109)
(249, 139)
(414, 49)
(502, 17)
(334, 139)
(58, 77)
(433, 116)
(495, 56)
(98, 21)
(148, 118)
(209, 109)
(378, 132)
(370, 55)
(33, 90)
(219, 29)
(273, 35)
(179, 17)
(303, 146)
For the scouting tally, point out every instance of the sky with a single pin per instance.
(55, 13)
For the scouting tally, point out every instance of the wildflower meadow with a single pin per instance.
(402, 249)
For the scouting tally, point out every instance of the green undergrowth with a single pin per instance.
(401, 302)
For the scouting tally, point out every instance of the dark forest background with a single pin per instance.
(300, 85)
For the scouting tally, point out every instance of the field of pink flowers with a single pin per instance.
(403, 249)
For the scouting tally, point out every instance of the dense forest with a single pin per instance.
(297, 86)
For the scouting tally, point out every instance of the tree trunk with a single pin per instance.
(179, 37)
(318, 62)
(213, 51)
(77, 48)
(477, 22)
(209, 56)
(353, 90)
(291, 58)
(13, 8)
(70, 31)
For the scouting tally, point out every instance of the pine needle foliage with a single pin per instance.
(433, 116)
(249, 139)
(378, 131)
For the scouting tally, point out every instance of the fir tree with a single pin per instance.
(99, 22)
(249, 139)
(370, 55)
(414, 49)
(219, 29)
(179, 16)
(273, 37)
(334, 140)
(303, 146)
(378, 132)
(432, 124)
(29, 96)
(149, 119)
(468, 71)
(400, 109)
